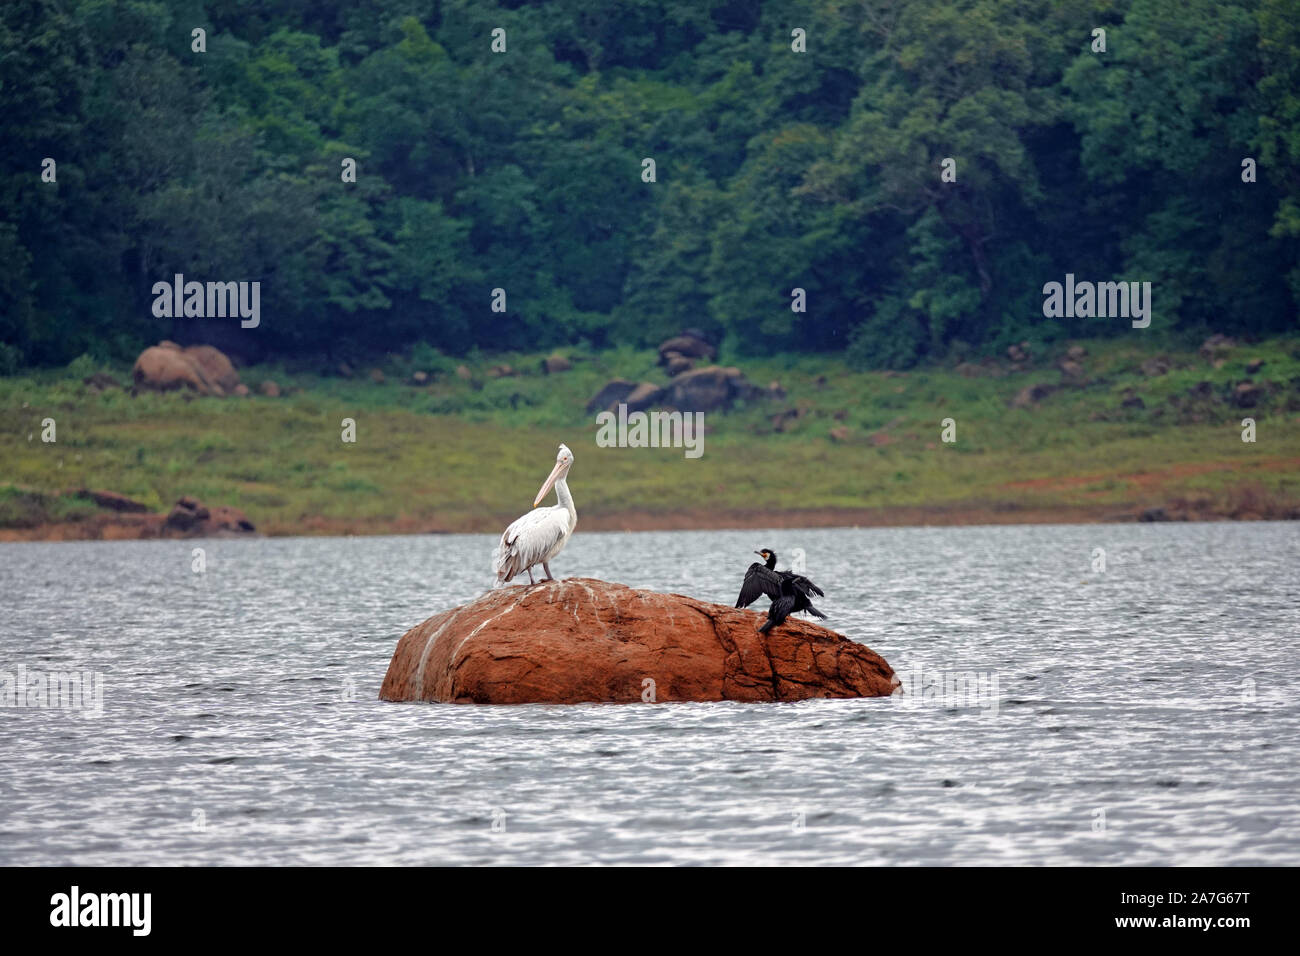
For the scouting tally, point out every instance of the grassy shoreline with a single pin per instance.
(467, 454)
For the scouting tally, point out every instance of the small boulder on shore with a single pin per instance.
(1019, 354)
(1216, 347)
(1246, 394)
(1031, 395)
(1156, 366)
(690, 344)
(582, 640)
(1071, 371)
(554, 364)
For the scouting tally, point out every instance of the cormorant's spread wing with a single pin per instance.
(758, 581)
(801, 583)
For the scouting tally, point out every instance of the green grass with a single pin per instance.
(464, 454)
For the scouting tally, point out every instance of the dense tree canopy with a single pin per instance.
(523, 170)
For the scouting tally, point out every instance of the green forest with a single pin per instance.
(794, 145)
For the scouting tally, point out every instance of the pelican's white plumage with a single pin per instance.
(541, 534)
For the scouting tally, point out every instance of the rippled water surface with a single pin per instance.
(1144, 714)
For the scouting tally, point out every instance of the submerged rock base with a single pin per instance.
(583, 640)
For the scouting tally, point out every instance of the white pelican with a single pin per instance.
(542, 533)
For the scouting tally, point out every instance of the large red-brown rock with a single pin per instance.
(582, 640)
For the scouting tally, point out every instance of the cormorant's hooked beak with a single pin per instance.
(760, 554)
(559, 471)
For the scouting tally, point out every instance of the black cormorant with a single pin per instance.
(790, 592)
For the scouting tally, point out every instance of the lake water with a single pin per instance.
(1144, 714)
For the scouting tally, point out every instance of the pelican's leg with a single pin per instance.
(547, 568)
(530, 576)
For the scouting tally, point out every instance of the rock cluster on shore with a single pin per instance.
(201, 368)
(690, 389)
(124, 519)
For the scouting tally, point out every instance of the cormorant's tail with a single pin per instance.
(814, 612)
(777, 613)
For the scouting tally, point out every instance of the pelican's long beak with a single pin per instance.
(556, 474)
